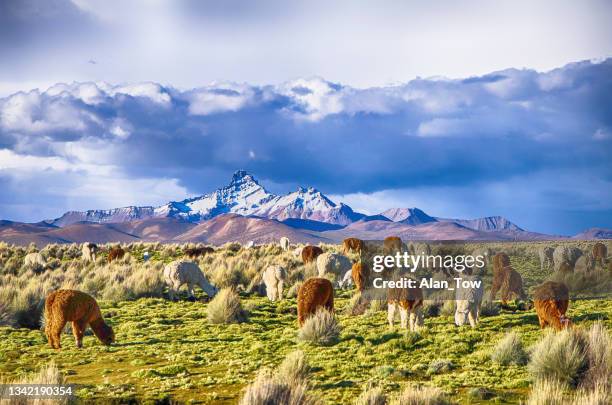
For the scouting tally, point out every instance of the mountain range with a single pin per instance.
(244, 210)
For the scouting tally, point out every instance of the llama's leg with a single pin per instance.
(404, 317)
(391, 313)
(270, 293)
(472, 318)
(494, 289)
(413, 321)
(56, 333)
(190, 288)
(542, 321)
(279, 290)
(459, 317)
(78, 330)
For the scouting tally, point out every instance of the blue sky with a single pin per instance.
(461, 111)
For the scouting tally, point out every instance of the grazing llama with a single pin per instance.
(82, 310)
(551, 300)
(314, 293)
(181, 272)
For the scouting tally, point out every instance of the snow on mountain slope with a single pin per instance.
(243, 196)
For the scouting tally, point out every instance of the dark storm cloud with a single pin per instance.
(425, 133)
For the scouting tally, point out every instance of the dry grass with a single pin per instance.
(320, 329)
(47, 375)
(421, 395)
(226, 308)
(509, 350)
(372, 396)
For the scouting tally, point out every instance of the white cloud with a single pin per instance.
(219, 98)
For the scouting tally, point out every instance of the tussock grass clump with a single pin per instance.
(47, 375)
(268, 389)
(415, 395)
(509, 350)
(547, 392)
(294, 369)
(226, 308)
(599, 357)
(560, 356)
(371, 396)
(320, 329)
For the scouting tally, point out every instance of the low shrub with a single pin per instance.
(509, 350)
(560, 357)
(320, 329)
(226, 308)
(268, 389)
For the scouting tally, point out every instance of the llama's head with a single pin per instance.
(106, 334)
(565, 322)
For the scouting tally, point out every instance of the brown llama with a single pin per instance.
(314, 293)
(115, 253)
(62, 306)
(509, 282)
(410, 304)
(352, 245)
(600, 252)
(551, 300)
(500, 261)
(310, 253)
(195, 252)
(392, 245)
(360, 273)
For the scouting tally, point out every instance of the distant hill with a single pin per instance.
(244, 210)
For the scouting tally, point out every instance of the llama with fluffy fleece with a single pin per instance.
(565, 254)
(315, 293)
(195, 252)
(82, 310)
(360, 274)
(352, 245)
(500, 261)
(181, 272)
(333, 263)
(115, 253)
(545, 253)
(274, 278)
(409, 301)
(34, 260)
(551, 300)
(284, 243)
(310, 253)
(89, 252)
(468, 300)
(600, 253)
(392, 245)
(509, 282)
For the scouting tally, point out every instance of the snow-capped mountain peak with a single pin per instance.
(243, 196)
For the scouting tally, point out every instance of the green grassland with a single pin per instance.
(167, 351)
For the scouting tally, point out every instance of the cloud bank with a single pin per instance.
(533, 146)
